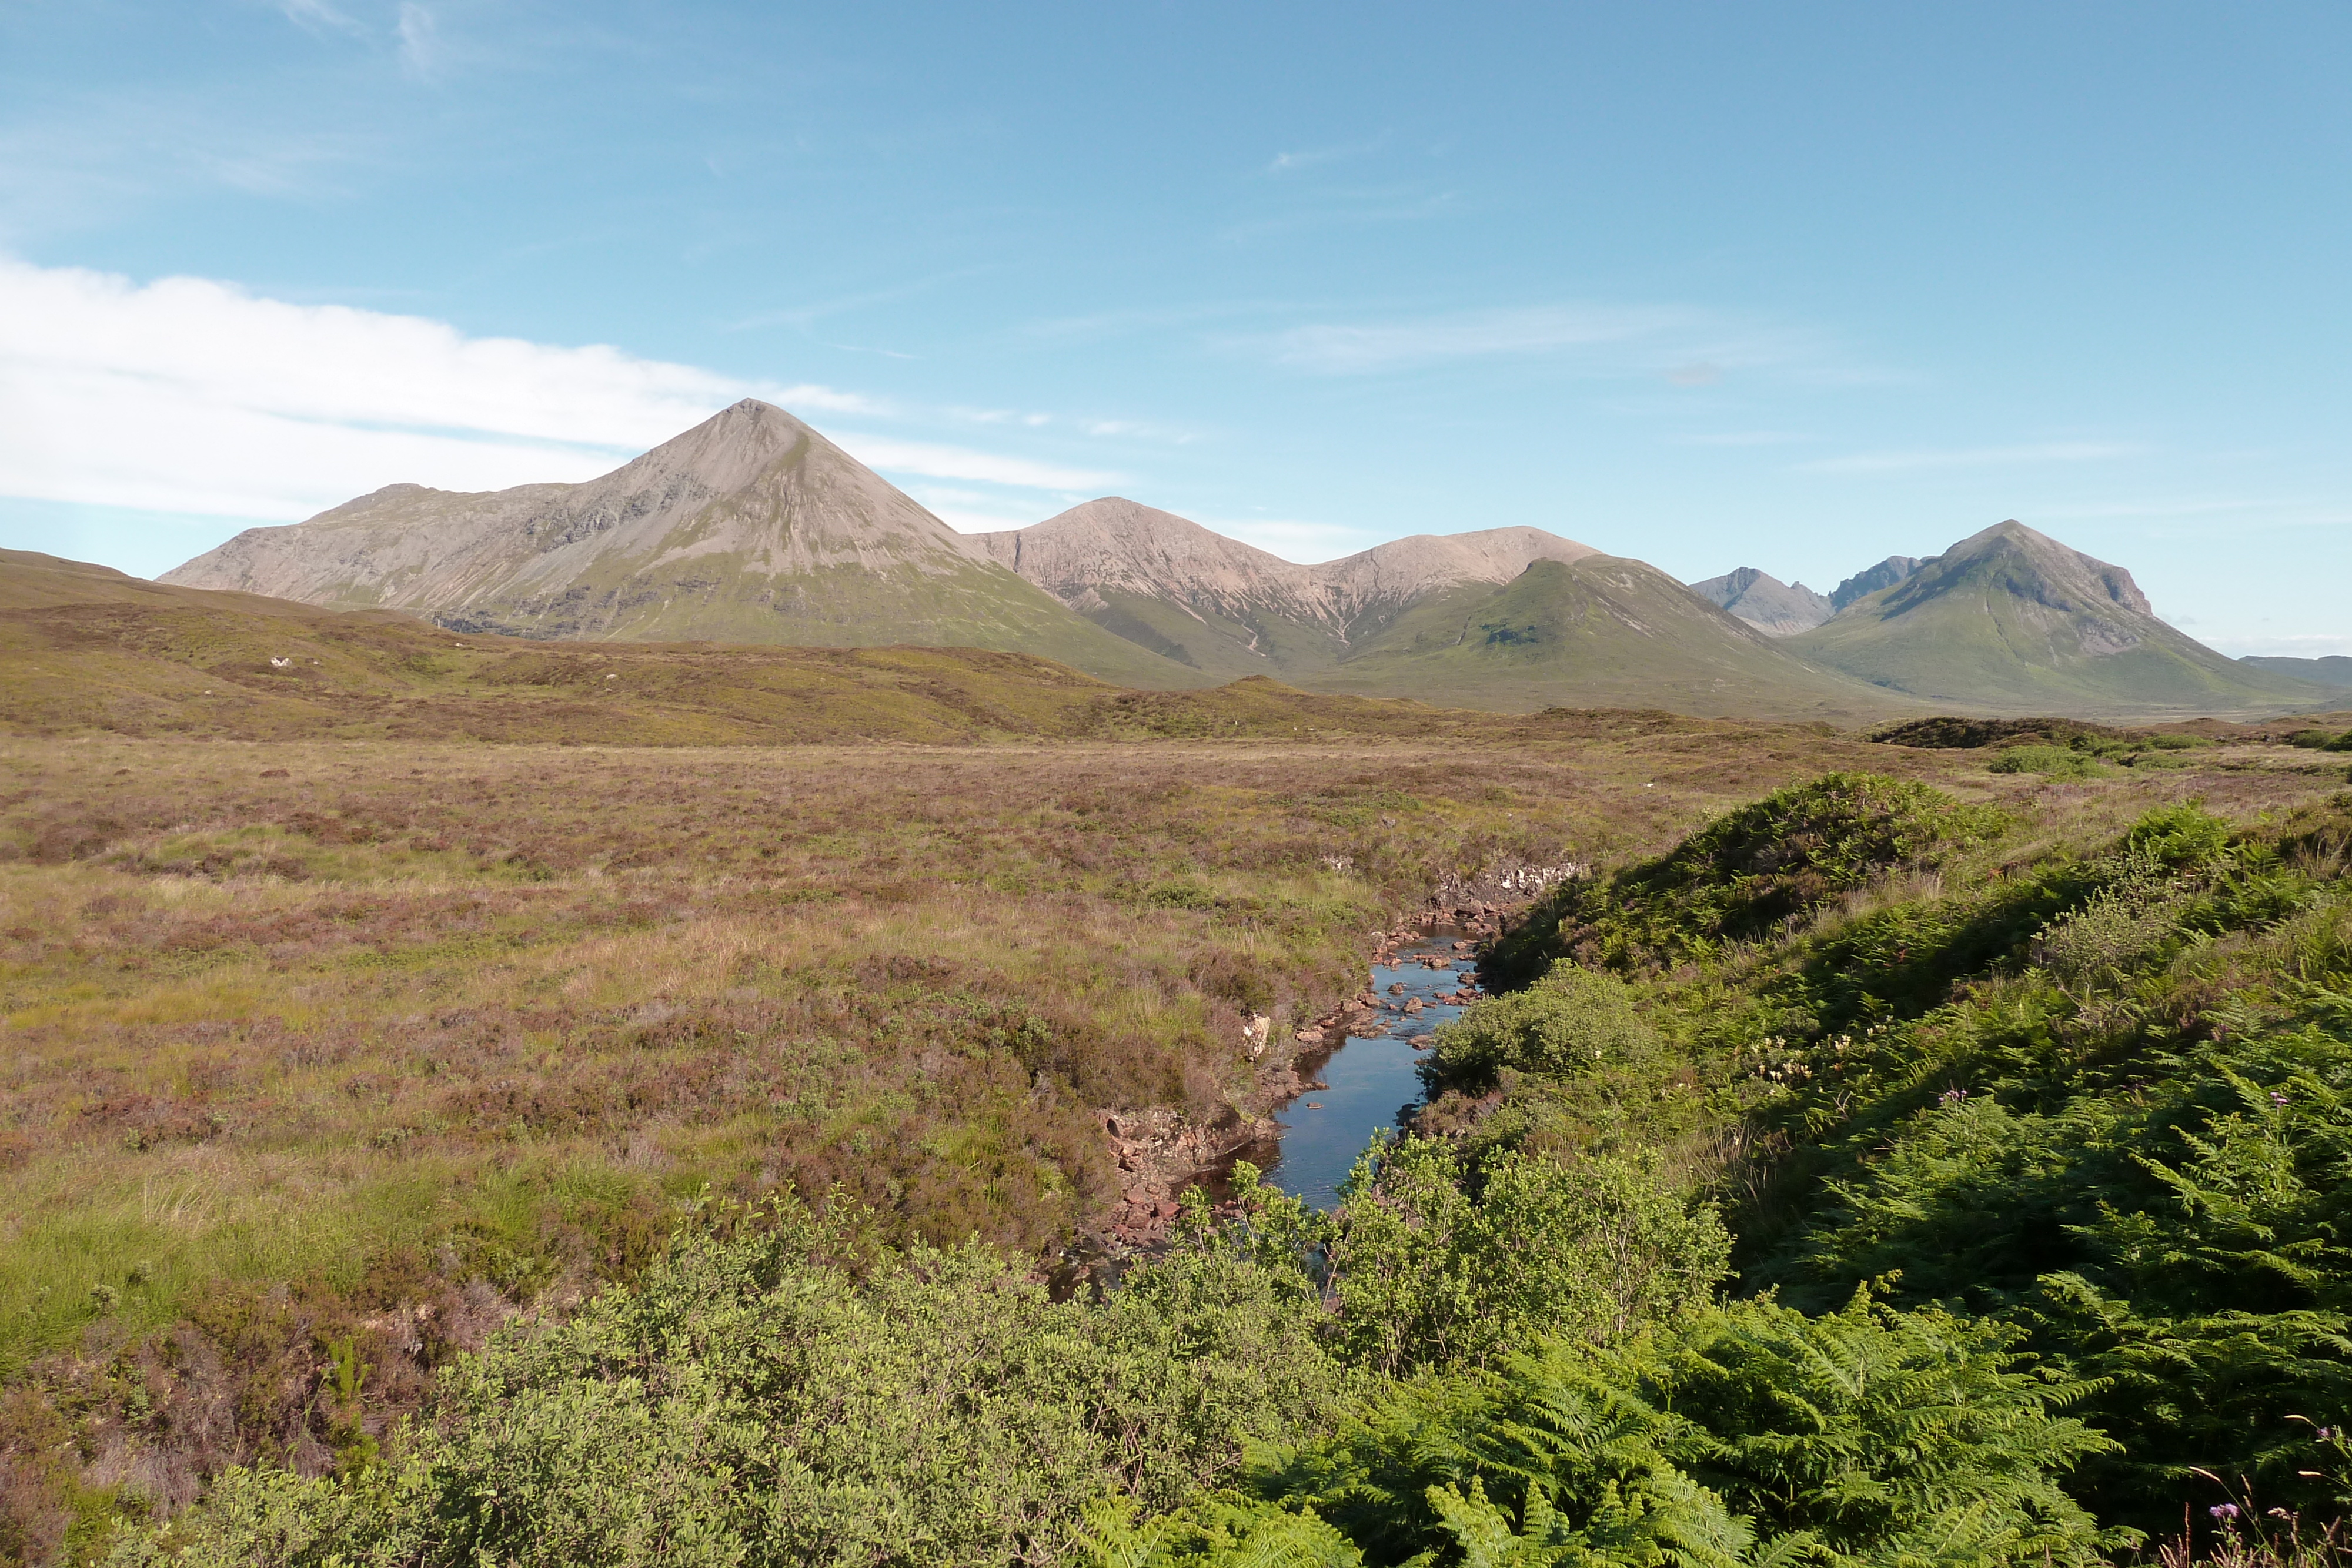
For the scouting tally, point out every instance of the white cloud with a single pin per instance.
(1290, 162)
(937, 461)
(313, 14)
(190, 396)
(420, 39)
(2307, 646)
(967, 513)
(1297, 539)
(1970, 458)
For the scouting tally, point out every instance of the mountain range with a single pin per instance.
(753, 528)
(2329, 670)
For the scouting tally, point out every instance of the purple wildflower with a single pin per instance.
(2277, 1098)
(2223, 1511)
(1952, 1097)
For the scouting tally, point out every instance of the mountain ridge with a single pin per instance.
(1775, 608)
(1214, 603)
(2010, 619)
(749, 528)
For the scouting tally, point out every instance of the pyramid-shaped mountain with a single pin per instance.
(2009, 620)
(750, 528)
(1223, 607)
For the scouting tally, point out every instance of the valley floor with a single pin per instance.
(324, 1056)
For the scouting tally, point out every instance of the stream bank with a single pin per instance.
(1319, 1096)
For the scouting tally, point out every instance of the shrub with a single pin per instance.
(1562, 1025)
(1438, 1263)
(755, 1401)
(1745, 874)
(2049, 761)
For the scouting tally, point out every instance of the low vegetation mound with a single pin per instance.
(1749, 872)
(1952, 732)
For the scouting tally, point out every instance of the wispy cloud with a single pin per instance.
(317, 15)
(189, 395)
(1343, 209)
(1357, 350)
(1314, 157)
(420, 39)
(1299, 539)
(938, 461)
(2176, 507)
(1738, 438)
(1972, 457)
(2299, 645)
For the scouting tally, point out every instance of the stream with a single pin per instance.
(1368, 1082)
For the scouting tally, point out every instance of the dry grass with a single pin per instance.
(331, 1043)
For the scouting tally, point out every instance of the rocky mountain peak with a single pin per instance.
(2032, 566)
(1870, 579)
(1775, 608)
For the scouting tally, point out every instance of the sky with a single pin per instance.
(1795, 287)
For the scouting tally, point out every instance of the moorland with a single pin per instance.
(473, 1099)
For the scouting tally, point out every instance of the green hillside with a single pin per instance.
(1221, 646)
(1600, 631)
(2011, 620)
(2330, 670)
(85, 650)
(975, 606)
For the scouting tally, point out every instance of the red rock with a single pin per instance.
(1169, 1208)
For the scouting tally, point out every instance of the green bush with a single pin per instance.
(2049, 761)
(1745, 875)
(752, 1402)
(1437, 1263)
(1565, 1024)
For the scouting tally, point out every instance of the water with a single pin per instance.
(1371, 1081)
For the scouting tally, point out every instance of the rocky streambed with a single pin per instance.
(1321, 1094)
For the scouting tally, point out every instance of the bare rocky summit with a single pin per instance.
(1871, 579)
(1775, 608)
(750, 528)
(1217, 605)
(2009, 620)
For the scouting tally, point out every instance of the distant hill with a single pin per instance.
(1600, 631)
(1215, 604)
(1775, 608)
(751, 527)
(2012, 621)
(85, 650)
(1870, 579)
(2329, 670)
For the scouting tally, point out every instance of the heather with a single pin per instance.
(469, 1154)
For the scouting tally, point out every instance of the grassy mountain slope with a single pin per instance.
(90, 650)
(751, 527)
(1228, 646)
(2331, 670)
(1215, 604)
(2011, 620)
(1600, 632)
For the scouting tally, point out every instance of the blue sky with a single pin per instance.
(1793, 286)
